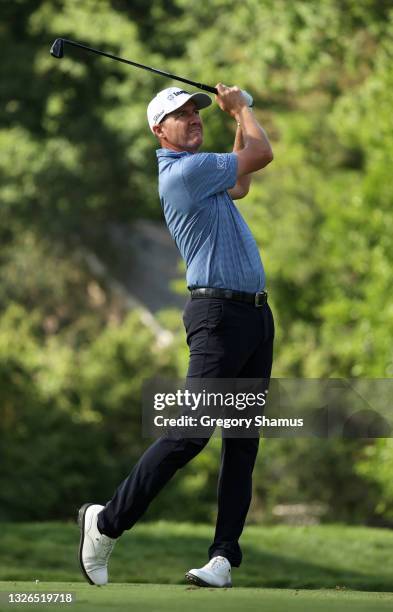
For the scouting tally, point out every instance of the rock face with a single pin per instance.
(148, 262)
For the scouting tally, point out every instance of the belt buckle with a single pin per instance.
(260, 299)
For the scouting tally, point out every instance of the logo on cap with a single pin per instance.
(156, 117)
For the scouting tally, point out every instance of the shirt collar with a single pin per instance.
(170, 153)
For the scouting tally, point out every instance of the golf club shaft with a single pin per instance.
(155, 70)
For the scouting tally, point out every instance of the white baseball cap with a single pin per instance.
(169, 100)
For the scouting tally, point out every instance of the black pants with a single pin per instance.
(227, 339)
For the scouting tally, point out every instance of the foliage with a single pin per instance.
(69, 419)
(376, 466)
(76, 154)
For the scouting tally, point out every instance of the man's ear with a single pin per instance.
(158, 129)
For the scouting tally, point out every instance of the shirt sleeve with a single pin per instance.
(205, 174)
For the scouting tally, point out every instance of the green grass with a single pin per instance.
(285, 569)
(314, 557)
(170, 598)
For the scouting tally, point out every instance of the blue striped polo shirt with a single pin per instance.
(210, 233)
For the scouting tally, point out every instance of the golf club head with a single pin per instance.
(57, 49)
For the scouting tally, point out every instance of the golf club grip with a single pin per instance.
(208, 88)
(214, 90)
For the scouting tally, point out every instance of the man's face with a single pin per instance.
(182, 129)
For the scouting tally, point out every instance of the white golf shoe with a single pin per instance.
(216, 573)
(95, 547)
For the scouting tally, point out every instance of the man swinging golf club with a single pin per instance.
(228, 321)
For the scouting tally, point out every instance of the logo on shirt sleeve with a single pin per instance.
(221, 161)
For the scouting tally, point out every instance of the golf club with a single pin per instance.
(57, 50)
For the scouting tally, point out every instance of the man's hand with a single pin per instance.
(230, 99)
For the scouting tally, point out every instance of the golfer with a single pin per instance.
(228, 321)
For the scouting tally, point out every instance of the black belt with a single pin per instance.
(257, 299)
